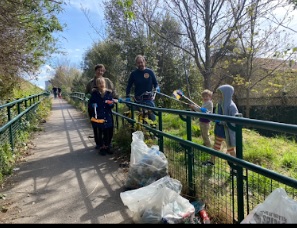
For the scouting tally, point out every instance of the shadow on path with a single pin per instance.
(64, 180)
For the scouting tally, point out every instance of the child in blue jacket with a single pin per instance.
(101, 104)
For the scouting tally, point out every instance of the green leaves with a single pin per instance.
(27, 29)
(126, 5)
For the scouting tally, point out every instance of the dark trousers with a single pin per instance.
(103, 136)
(96, 132)
(151, 103)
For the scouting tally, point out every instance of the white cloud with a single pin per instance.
(45, 72)
(90, 5)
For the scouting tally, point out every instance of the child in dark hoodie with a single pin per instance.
(222, 132)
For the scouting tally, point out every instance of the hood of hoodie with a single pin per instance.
(227, 93)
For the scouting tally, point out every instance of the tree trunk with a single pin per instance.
(247, 106)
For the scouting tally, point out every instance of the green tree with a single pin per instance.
(26, 29)
(64, 78)
(107, 53)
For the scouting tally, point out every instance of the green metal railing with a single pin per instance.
(229, 196)
(15, 115)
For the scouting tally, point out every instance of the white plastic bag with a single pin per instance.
(138, 147)
(146, 164)
(277, 208)
(159, 202)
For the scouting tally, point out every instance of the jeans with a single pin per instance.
(151, 103)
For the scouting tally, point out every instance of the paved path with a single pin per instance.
(65, 180)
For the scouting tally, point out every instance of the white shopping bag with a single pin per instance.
(277, 208)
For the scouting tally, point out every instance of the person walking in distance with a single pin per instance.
(144, 80)
(101, 104)
(55, 92)
(222, 132)
(206, 107)
(59, 92)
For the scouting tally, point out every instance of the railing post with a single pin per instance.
(190, 156)
(239, 154)
(132, 117)
(10, 127)
(117, 118)
(160, 137)
(19, 109)
(26, 105)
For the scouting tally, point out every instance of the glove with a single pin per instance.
(94, 105)
(204, 110)
(158, 89)
(120, 100)
(109, 102)
(128, 99)
(220, 122)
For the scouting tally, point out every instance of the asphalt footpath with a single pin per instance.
(64, 180)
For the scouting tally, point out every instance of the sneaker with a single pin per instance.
(109, 151)
(102, 152)
(207, 163)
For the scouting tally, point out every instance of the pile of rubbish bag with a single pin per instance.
(153, 196)
(147, 164)
(158, 202)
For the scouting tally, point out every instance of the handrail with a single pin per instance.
(12, 103)
(14, 114)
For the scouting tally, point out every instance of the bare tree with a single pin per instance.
(64, 77)
(208, 26)
(259, 52)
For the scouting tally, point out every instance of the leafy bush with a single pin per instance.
(7, 160)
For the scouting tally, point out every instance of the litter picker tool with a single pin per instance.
(179, 94)
(94, 119)
(95, 106)
(172, 98)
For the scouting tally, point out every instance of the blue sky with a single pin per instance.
(77, 37)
